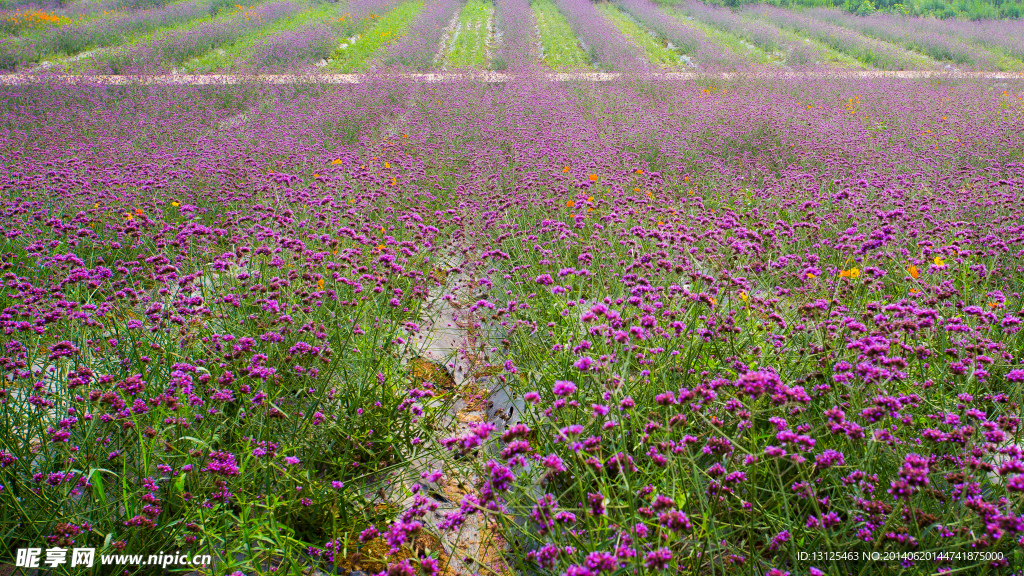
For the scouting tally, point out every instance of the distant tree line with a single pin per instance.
(968, 9)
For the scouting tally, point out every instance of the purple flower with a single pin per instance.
(658, 559)
(563, 388)
(221, 463)
(553, 463)
(434, 476)
(583, 364)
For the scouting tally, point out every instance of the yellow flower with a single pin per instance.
(851, 273)
(320, 284)
(316, 175)
(387, 165)
(336, 162)
(939, 261)
(175, 203)
(811, 276)
(744, 297)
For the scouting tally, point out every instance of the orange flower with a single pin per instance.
(593, 177)
(570, 203)
(914, 272)
(138, 211)
(565, 170)
(851, 273)
(320, 284)
(639, 171)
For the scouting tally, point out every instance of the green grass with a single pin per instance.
(833, 57)
(862, 54)
(468, 48)
(226, 56)
(1002, 60)
(379, 33)
(126, 38)
(561, 50)
(657, 49)
(728, 40)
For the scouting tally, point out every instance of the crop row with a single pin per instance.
(630, 35)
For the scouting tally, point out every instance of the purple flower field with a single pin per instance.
(745, 324)
(290, 36)
(739, 322)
